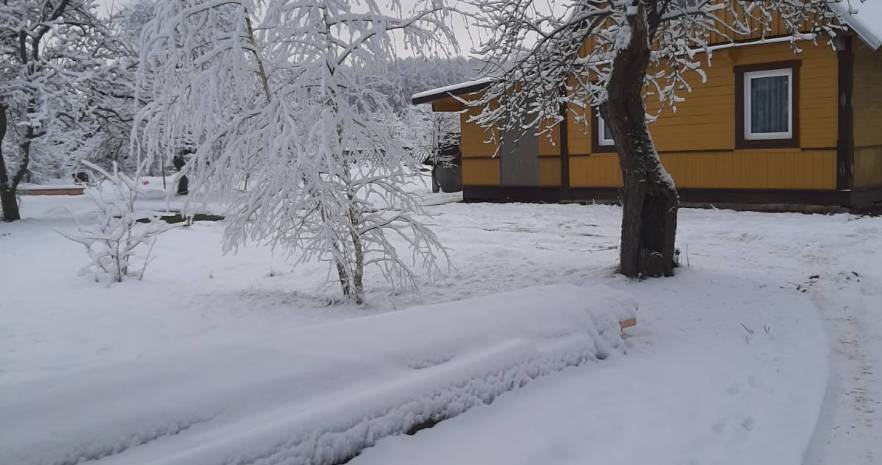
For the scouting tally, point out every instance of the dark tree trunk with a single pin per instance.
(7, 189)
(649, 217)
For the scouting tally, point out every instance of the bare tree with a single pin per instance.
(611, 54)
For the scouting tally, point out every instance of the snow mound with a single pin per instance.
(314, 395)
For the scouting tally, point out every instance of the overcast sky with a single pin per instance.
(462, 32)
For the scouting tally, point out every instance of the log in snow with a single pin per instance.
(314, 395)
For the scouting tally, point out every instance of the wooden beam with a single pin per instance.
(564, 152)
(845, 129)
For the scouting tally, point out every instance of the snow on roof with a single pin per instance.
(865, 18)
(453, 89)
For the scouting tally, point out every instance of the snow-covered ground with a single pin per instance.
(765, 348)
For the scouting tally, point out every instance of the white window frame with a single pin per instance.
(748, 76)
(601, 133)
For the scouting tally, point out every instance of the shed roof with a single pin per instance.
(453, 89)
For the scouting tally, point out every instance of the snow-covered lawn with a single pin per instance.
(765, 348)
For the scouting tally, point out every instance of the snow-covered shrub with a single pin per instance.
(120, 233)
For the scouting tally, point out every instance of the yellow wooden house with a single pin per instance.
(811, 134)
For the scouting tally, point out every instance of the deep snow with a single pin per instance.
(765, 348)
(316, 394)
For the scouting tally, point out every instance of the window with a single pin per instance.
(604, 135)
(601, 137)
(767, 105)
(768, 98)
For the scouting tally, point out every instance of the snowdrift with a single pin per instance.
(315, 395)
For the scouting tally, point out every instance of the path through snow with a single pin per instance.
(846, 285)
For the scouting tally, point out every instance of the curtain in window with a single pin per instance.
(769, 104)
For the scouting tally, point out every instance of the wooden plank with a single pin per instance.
(47, 190)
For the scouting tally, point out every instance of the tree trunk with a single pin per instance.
(7, 191)
(358, 248)
(9, 204)
(649, 217)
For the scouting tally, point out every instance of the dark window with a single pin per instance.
(601, 137)
(604, 135)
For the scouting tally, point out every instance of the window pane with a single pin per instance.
(770, 104)
(607, 134)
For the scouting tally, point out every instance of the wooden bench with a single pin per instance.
(51, 190)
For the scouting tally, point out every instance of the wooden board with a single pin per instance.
(49, 190)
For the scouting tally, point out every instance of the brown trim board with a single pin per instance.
(704, 196)
(564, 136)
(740, 141)
(550, 194)
(845, 129)
(866, 197)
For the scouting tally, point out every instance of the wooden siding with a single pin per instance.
(447, 104)
(754, 169)
(480, 171)
(579, 130)
(578, 134)
(550, 146)
(868, 166)
(776, 27)
(867, 106)
(549, 171)
(738, 169)
(474, 136)
(697, 142)
(706, 119)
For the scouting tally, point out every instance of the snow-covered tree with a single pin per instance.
(112, 90)
(611, 55)
(286, 97)
(52, 52)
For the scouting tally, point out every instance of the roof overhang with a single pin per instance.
(864, 18)
(454, 90)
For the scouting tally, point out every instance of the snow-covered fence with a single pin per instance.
(315, 395)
